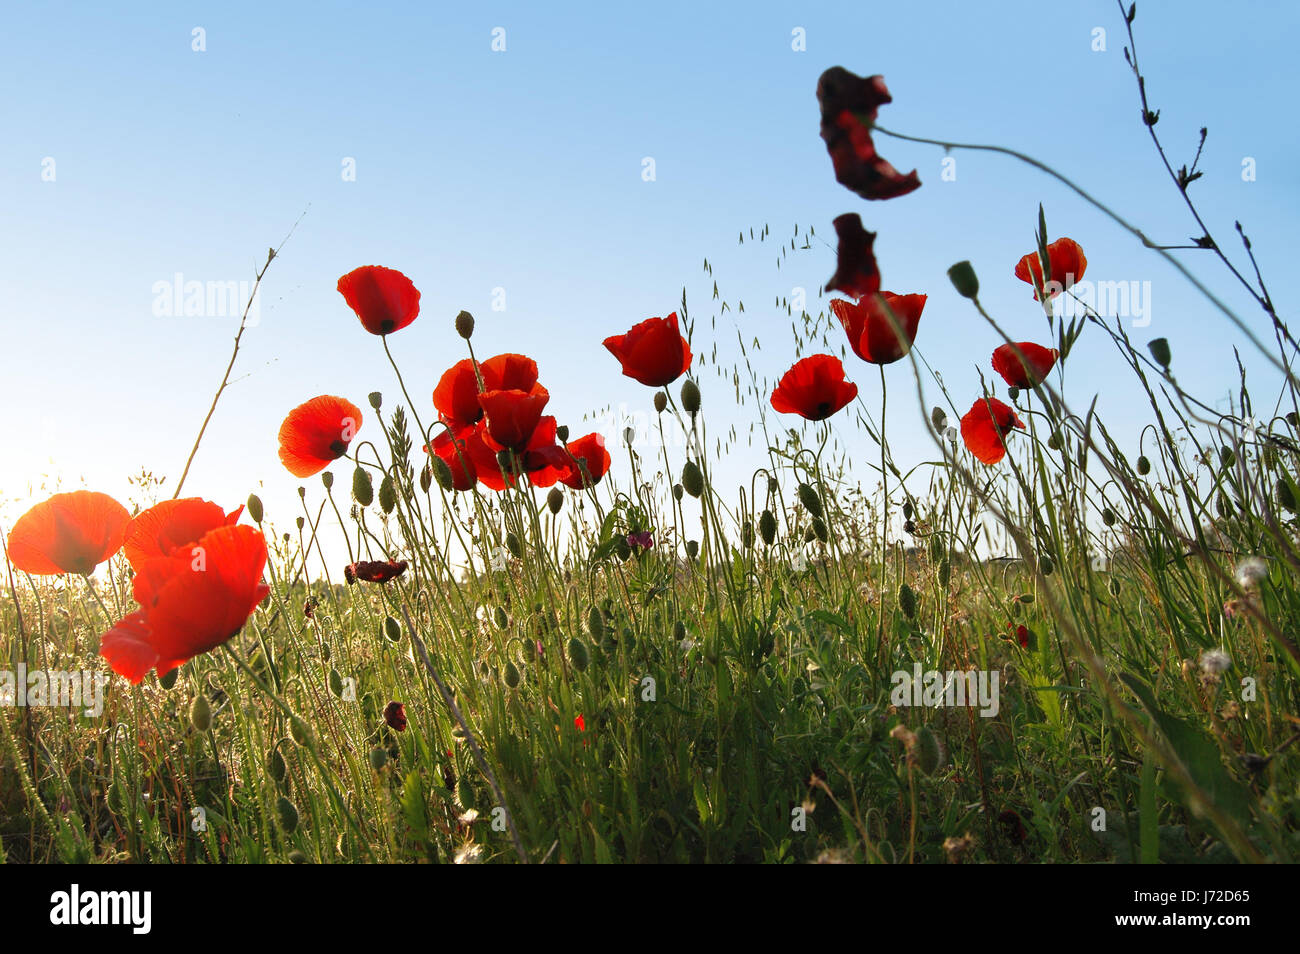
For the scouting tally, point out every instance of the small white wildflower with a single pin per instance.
(469, 855)
(686, 645)
(499, 559)
(799, 562)
(468, 817)
(1214, 662)
(1251, 571)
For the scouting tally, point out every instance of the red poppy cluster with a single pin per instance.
(198, 577)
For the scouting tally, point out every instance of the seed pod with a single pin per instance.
(363, 491)
(513, 545)
(500, 618)
(692, 549)
(677, 491)
(747, 534)
(692, 479)
(962, 276)
(1159, 348)
(939, 418)
(1143, 466)
(299, 731)
(387, 494)
(929, 751)
(255, 508)
(907, 601)
(945, 573)
(578, 654)
(392, 629)
(819, 529)
(1108, 517)
(327, 478)
(690, 397)
(661, 402)
(200, 713)
(378, 758)
(336, 683)
(1013, 392)
(288, 815)
(465, 325)
(555, 500)
(1293, 419)
(767, 527)
(596, 624)
(300, 523)
(811, 501)
(376, 400)
(512, 675)
(275, 765)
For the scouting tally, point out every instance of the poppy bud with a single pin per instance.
(808, 497)
(378, 758)
(512, 675)
(908, 526)
(255, 508)
(661, 401)
(929, 753)
(677, 491)
(962, 276)
(426, 477)
(1054, 440)
(939, 419)
(1108, 517)
(299, 731)
(465, 325)
(690, 397)
(1226, 457)
(363, 491)
(442, 473)
(578, 654)
(169, 680)
(747, 534)
(692, 549)
(513, 545)
(555, 500)
(937, 549)
(327, 478)
(945, 572)
(821, 533)
(908, 510)
(1293, 418)
(1223, 507)
(1285, 495)
(907, 600)
(1114, 586)
(376, 400)
(692, 479)
(767, 527)
(288, 815)
(336, 683)
(499, 617)
(1013, 393)
(1144, 466)
(809, 535)
(387, 494)
(562, 433)
(1159, 348)
(392, 629)
(201, 713)
(622, 548)
(325, 651)
(276, 767)
(595, 623)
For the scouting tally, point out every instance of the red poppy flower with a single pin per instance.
(454, 450)
(69, 533)
(512, 416)
(316, 433)
(985, 427)
(384, 299)
(856, 273)
(374, 571)
(589, 453)
(849, 104)
(1029, 372)
(190, 602)
(814, 388)
(1068, 264)
(580, 723)
(456, 396)
(172, 524)
(1022, 636)
(395, 716)
(652, 352)
(871, 334)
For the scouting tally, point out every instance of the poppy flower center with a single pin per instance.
(824, 409)
(338, 448)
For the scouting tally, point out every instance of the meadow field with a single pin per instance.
(489, 635)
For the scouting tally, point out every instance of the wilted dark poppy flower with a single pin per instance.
(856, 273)
(1022, 636)
(849, 104)
(872, 335)
(374, 571)
(172, 524)
(316, 433)
(814, 388)
(69, 533)
(1068, 265)
(190, 602)
(1029, 372)
(395, 716)
(985, 427)
(512, 416)
(384, 299)
(588, 452)
(453, 448)
(652, 352)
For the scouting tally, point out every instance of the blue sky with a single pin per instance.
(522, 170)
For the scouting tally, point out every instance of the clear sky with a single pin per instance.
(522, 170)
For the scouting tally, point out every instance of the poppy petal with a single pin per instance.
(856, 273)
(383, 298)
(69, 533)
(316, 433)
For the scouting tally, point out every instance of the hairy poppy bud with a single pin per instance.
(690, 397)
(939, 418)
(1159, 348)
(692, 479)
(622, 548)
(465, 325)
(595, 624)
(378, 758)
(819, 529)
(363, 491)
(908, 510)
(1226, 457)
(767, 526)
(661, 401)
(907, 601)
(962, 276)
(514, 546)
(442, 473)
(677, 491)
(336, 683)
(578, 654)
(1108, 517)
(276, 766)
(811, 501)
(555, 500)
(929, 753)
(288, 815)
(300, 732)
(500, 618)
(387, 494)
(692, 549)
(562, 433)
(1144, 466)
(392, 629)
(201, 713)
(376, 400)
(168, 680)
(1045, 565)
(255, 507)
(426, 478)
(1285, 495)
(511, 675)
(747, 534)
